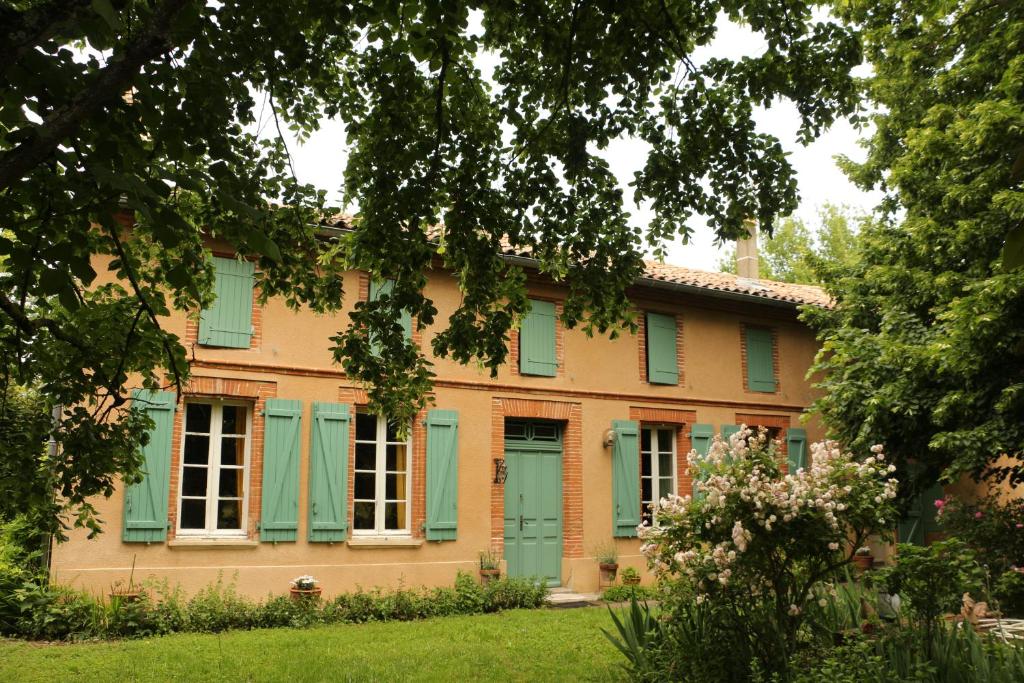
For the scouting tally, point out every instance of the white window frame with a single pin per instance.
(380, 484)
(213, 461)
(656, 475)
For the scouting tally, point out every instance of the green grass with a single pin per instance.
(520, 645)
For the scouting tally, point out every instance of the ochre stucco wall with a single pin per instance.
(600, 375)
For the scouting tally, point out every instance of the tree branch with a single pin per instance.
(109, 83)
(26, 29)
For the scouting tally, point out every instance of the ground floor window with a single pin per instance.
(382, 481)
(214, 468)
(657, 467)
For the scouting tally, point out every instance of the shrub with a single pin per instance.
(757, 542)
(623, 593)
(992, 527)
(513, 593)
(218, 607)
(469, 595)
(1009, 593)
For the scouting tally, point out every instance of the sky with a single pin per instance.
(321, 159)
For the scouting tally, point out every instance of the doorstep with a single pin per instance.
(564, 598)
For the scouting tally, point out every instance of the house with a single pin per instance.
(269, 466)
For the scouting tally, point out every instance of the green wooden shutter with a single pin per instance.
(796, 448)
(442, 475)
(701, 436)
(625, 478)
(328, 472)
(921, 517)
(379, 288)
(662, 367)
(279, 519)
(729, 430)
(760, 360)
(145, 503)
(228, 322)
(537, 340)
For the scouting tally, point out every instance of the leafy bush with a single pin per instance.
(218, 607)
(1009, 593)
(993, 528)
(623, 593)
(514, 593)
(756, 543)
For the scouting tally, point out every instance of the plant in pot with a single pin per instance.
(607, 556)
(863, 559)
(130, 593)
(305, 588)
(630, 576)
(490, 567)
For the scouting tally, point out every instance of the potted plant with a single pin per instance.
(490, 567)
(130, 593)
(863, 559)
(305, 588)
(630, 576)
(607, 556)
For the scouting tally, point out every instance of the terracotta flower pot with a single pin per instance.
(608, 571)
(488, 575)
(305, 593)
(863, 562)
(126, 596)
(631, 580)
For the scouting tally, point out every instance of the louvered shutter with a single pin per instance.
(385, 287)
(625, 478)
(662, 366)
(442, 475)
(328, 472)
(701, 436)
(145, 503)
(537, 340)
(760, 360)
(796, 448)
(228, 321)
(279, 519)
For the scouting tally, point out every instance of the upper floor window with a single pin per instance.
(214, 466)
(661, 343)
(657, 467)
(537, 340)
(760, 355)
(228, 321)
(382, 481)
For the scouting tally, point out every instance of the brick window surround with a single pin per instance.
(357, 398)
(513, 344)
(255, 341)
(642, 344)
(571, 415)
(233, 389)
(775, 357)
(681, 420)
(773, 422)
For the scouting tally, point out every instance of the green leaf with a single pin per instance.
(107, 11)
(1013, 249)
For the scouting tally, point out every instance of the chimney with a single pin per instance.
(746, 252)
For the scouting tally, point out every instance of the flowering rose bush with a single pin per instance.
(994, 528)
(758, 543)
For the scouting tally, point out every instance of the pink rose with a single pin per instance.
(939, 503)
(978, 515)
(1020, 526)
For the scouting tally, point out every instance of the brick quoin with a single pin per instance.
(682, 420)
(253, 392)
(570, 414)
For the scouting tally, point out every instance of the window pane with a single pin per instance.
(396, 457)
(232, 451)
(665, 464)
(392, 431)
(645, 489)
(197, 449)
(193, 481)
(665, 487)
(515, 430)
(366, 427)
(193, 514)
(645, 465)
(545, 431)
(365, 485)
(234, 419)
(197, 417)
(394, 516)
(364, 516)
(394, 486)
(645, 439)
(228, 516)
(366, 456)
(665, 437)
(230, 483)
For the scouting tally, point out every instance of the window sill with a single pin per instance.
(369, 542)
(196, 543)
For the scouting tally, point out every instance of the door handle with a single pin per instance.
(520, 522)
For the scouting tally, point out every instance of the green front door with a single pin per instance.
(533, 501)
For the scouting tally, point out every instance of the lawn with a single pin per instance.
(520, 645)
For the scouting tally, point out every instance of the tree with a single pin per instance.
(924, 350)
(792, 253)
(151, 107)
